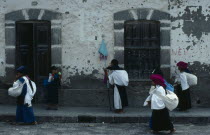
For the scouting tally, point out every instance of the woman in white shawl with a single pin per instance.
(119, 79)
(24, 111)
(160, 116)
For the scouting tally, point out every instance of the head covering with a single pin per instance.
(182, 65)
(114, 68)
(22, 69)
(158, 79)
(114, 65)
(53, 68)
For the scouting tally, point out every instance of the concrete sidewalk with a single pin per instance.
(100, 115)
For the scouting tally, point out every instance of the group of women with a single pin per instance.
(24, 111)
(160, 119)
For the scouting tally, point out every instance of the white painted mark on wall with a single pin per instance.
(165, 28)
(25, 14)
(9, 22)
(165, 47)
(41, 14)
(150, 14)
(9, 27)
(165, 21)
(122, 30)
(10, 65)
(119, 21)
(118, 48)
(165, 66)
(10, 47)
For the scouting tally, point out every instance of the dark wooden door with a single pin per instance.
(42, 51)
(33, 48)
(142, 48)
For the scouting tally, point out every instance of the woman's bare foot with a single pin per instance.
(154, 132)
(118, 111)
(172, 131)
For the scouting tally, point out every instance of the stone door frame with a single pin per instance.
(144, 14)
(10, 35)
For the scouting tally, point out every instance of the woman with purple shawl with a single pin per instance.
(160, 115)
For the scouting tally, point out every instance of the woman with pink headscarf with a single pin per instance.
(160, 116)
(183, 91)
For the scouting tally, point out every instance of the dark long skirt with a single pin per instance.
(161, 120)
(184, 98)
(123, 95)
(24, 114)
(52, 94)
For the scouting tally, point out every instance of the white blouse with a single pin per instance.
(184, 83)
(156, 102)
(119, 77)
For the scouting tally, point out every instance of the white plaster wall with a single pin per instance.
(2, 39)
(86, 20)
(184, 47)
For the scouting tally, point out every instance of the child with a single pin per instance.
(54, 82)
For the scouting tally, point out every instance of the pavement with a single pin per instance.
(98, 129)
(103, 115)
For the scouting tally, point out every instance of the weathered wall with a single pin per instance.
(2, 40)
(83, 24)
(85, 21)
(190, 42)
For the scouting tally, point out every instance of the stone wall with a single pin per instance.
(144, 14)
(77, 29)
(10, 36)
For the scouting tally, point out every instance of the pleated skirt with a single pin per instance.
(160, 120)
(24, 114)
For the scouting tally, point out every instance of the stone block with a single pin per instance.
(87, 81)
(50, 15)
(10, 56)
(85, 98)
(167, 72)
(118, 26)
(135, 92)
(15, 16)
(10, 74)
(126, 120)
(159, 15)
(5, 99)
(10, 36)
(56, 55)
(165, 56)
(57, 119)
(108, 119)
(55, 36)
(119, 55)
(165, 38)
(165, 25)
(33, 14)
(123, 15)
(119, 38)
(143, 13)
(86, 119)
(9, 25)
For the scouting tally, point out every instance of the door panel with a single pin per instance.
(142, 48)
(33, 48)
(24, 47)
(43, 50)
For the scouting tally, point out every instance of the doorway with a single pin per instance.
(33, 48)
